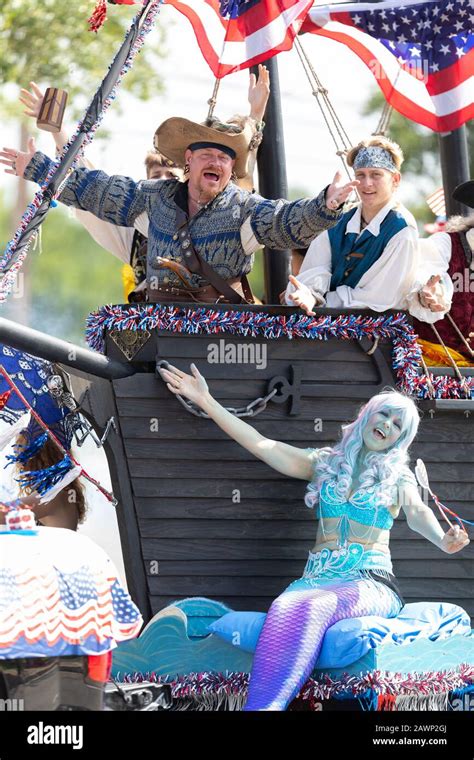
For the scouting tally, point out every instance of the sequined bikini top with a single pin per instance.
(361, 507)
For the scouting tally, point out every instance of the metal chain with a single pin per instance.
(251, 410)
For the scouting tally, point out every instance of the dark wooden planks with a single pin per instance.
(185, 476)
(234, 528)
(156, 549)
(175, 347)
(257, 510)
(176, 485)
(229, 458)
(318, 424)
(289, 568)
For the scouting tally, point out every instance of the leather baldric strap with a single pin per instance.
(196, 264)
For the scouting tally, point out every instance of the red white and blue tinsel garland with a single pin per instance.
(208, 321)
(8, 279)
(230, 688)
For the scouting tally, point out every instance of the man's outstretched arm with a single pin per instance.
(281, 224)
(115, 199)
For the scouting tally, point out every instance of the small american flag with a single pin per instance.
(420, 52)
(437, 203)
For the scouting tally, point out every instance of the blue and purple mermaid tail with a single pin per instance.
(289, 645)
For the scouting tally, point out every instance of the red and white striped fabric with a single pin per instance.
(421, 53)
(60, 595)
(437, 203)
(254, 31)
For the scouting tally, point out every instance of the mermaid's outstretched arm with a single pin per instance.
(421, 519)
(289, 460)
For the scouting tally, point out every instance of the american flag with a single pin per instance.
(437, 203)
(421, 53)
(237, 34)
(60, 595)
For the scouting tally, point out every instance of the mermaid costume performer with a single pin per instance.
(350, 581)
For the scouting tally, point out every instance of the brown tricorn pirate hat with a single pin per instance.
(175, 135)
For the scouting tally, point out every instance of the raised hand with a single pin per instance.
(17, 160)
(259, 92)
(454, 540)
(431, 295)
(32, 99)
(303, 297)
(338, 191)
(193, 387)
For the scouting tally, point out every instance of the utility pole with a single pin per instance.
(454, 158)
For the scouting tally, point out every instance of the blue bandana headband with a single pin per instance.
(205, 144)
(374, 157)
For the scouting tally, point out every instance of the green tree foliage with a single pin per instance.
(72, 276)
(48, 41)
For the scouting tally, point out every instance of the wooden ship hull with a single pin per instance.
(200, 517)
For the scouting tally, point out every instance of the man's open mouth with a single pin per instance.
(379, 433)
(211, 176)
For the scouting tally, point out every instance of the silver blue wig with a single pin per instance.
(382, 469)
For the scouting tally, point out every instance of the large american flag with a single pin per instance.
(421, 53)
(236, 34)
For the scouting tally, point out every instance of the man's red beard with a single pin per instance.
(210, 192)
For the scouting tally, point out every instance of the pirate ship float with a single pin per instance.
(204, 527)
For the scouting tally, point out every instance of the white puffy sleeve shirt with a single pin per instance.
(435, 255)
(387, 281)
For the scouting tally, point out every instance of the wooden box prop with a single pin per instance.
(50, 117)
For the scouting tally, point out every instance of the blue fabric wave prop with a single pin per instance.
(348, 640)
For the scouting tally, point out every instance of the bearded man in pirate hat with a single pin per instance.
(203, 232)
(452, 251)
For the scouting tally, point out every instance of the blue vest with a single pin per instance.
(353, 255)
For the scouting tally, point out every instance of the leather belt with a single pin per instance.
(205, 294)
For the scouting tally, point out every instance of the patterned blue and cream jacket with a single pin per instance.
(226, 232)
